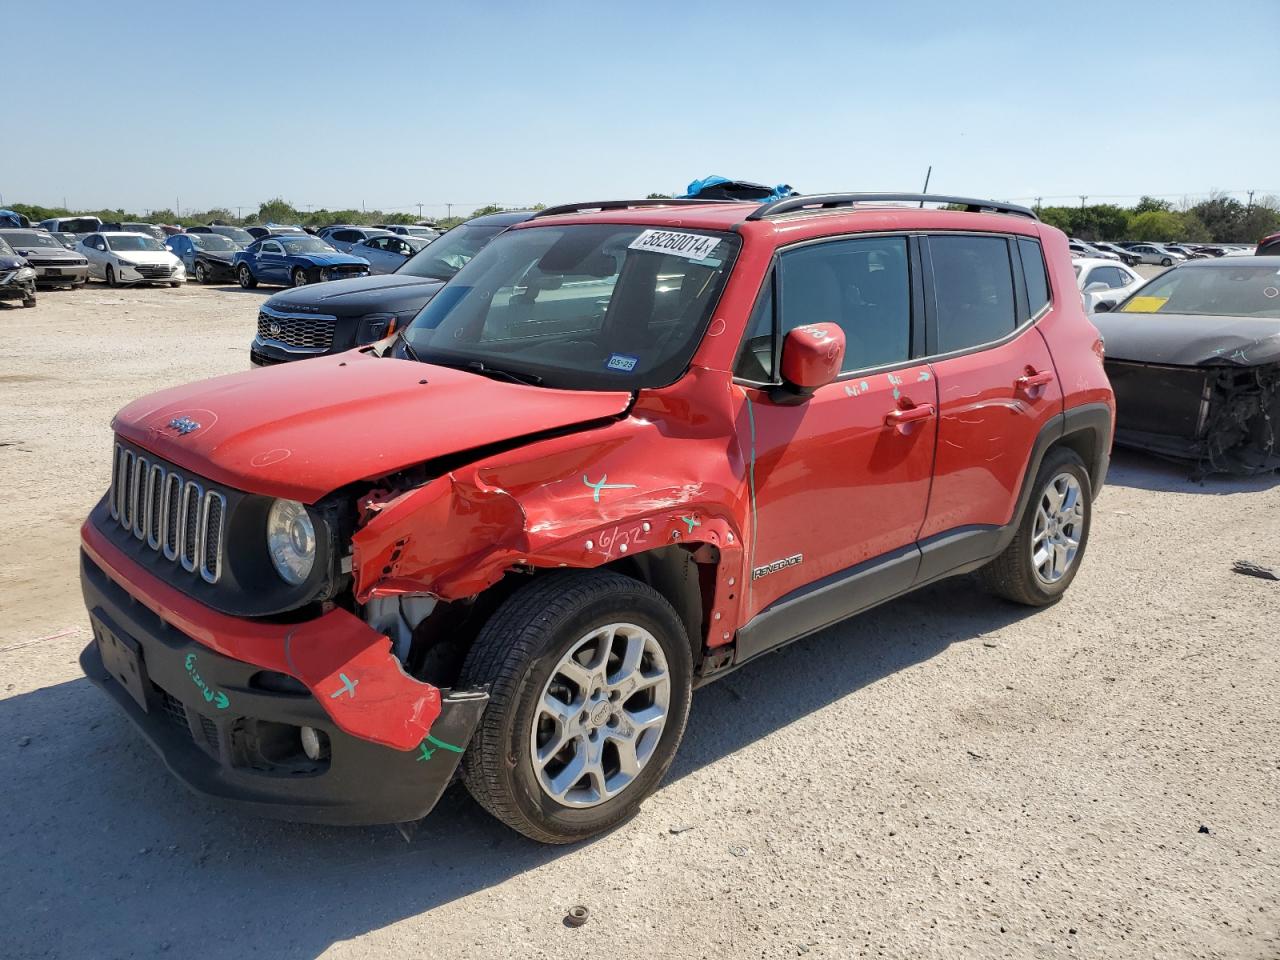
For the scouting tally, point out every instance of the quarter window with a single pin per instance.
(973, 287)
(1036, 278)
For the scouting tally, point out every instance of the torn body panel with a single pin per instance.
(581, 500)
(1225, 418)
(347, 666)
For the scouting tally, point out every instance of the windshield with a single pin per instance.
(147, 228)
(126, 241)
(426, 232)
(29, 238)
(583, 307)
(1236, 291)
(82, 225)
(211, 241)
(235, 233)
(304, 245)
(5, 249)
(446, 256)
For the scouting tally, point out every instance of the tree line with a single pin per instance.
(1219, 219)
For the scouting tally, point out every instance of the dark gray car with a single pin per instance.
(53, 263)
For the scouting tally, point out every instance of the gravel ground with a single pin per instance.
(948, 775)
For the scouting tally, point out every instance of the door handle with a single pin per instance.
(902, 418)
(1032, 382)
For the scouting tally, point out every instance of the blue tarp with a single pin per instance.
(10, 219)
(722, 188)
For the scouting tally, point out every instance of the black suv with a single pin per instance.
(323, 318)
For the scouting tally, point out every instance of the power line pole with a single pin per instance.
(1248, 208)
(448, 210)
(1038, 199)
(419, 206)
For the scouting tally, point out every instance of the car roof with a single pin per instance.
(1094, 262)
(504, 219)
(123, 233)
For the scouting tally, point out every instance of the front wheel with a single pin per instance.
(202, 273)
(590, 676)
(1040, 563)
(111, 277)
(299, 277)
(245, 276)
(29, 301)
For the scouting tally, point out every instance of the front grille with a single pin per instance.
(169, 512)
(153, 271)
(310, 332)
(58, 262)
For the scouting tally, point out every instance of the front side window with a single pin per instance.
(583, 307)
(863, 286)
(272, 247)
(973, 289)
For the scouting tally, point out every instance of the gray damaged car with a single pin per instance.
(1194, 358)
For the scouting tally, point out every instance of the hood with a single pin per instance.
(1189, 340)
(160, 257)
(12, 263)
(332, 259)
(302, 429)
(385, 293)
(48, 253)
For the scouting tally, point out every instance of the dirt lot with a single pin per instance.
(946, 776)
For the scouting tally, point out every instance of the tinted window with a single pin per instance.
(1034, 272)
(1111, 276)
(973, 286)
(862, 286)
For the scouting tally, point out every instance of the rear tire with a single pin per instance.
(1038, 566)
(246, 278)
(1167, 262)
(558, 658)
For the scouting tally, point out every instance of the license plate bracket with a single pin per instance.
(122, 657)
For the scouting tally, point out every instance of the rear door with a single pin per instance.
(996, 382)
(837, 481)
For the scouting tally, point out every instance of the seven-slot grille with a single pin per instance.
(313, 332)
(170, 513)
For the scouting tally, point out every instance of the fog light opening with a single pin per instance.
(315, 743)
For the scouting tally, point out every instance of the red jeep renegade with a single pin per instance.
(629, 447)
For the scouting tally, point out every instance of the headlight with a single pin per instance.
(25, 273)
(291, 540)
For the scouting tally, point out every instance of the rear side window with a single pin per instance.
(1034, 272)
(973, 287)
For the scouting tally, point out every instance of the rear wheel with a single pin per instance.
(590, 678)
(245, 276)
(1167, 262)
(1040, 563)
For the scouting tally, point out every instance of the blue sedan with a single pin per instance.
(294, 261)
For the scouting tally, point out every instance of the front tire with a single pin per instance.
(590, 676)
(245, 276)
(111, 277)
(299, 277)
(29, 302)
(202, 273)
(1045, 555)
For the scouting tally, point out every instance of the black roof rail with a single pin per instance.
(828, 201)
(623, 205)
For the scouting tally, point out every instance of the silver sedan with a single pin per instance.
(387, 253)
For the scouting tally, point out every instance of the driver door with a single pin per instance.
(272, 265)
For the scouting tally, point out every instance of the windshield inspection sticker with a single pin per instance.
(691, 245)
(622, 362)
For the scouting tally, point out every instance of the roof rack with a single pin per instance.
(624, 205)
(827, 201)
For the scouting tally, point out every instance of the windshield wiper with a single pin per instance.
(409, 351)
(475, 366)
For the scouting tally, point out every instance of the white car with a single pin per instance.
(120, 258)
(387, 253)
(1104, 280)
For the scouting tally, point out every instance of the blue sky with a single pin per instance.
(396, 103)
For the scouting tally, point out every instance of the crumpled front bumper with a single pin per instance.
(230, 729)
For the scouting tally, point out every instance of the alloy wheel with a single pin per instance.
(1059, 524)
(600, 716)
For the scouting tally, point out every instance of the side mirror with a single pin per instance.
(1105, 306)
(811, 358)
